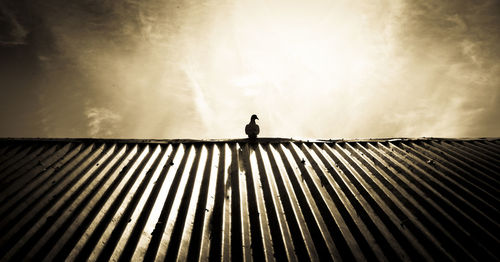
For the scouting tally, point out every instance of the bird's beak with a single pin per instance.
(257, 118)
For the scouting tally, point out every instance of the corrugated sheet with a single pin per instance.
(427, 199)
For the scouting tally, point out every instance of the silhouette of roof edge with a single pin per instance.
(242, 140)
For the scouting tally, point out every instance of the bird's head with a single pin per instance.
(254, 117)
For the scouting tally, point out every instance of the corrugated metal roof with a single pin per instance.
(277, 199)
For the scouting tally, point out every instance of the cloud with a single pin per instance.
(11, 30)
(449, 53)
(102, 122)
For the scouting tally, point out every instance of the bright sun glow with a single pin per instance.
(277, 46)
(272, 57)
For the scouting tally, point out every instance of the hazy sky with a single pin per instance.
(200, 69)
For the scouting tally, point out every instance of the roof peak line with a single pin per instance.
(242, 140)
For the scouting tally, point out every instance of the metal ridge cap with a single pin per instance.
(394, 139)
(156, 141)
(242, 140)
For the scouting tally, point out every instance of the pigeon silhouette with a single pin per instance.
(252, 129)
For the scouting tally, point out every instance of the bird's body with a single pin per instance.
(252, 129)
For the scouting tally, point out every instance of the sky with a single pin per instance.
(199, 69)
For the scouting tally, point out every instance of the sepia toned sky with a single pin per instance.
(200, 69)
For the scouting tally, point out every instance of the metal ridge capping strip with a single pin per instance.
(274, 199)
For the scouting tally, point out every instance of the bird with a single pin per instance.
(252, 129)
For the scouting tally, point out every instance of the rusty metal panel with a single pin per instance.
(276, 199)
